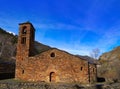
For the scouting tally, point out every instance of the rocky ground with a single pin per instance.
(13, 84)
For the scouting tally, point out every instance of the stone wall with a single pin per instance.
(50, 66)
(92, 73)
(28, 85)
(59, 67)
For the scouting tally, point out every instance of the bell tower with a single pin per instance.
(25, 46)
(25, 40)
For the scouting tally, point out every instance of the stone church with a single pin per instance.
(53, 65)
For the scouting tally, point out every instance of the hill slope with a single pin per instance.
(8, 43)
(7, 46)
(110, 65)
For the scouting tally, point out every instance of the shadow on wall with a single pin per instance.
(7, 76)
(100, 79)
(7, 70)
(99, 86)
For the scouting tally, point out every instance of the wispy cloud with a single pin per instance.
(57, 26)
(74, 48)
(7, 22)
(60, 26)
(109, 38)
(82, 50)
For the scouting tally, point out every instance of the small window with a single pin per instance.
(52, 54)
(81, 68)
(23, 71)
(24, 31)
(23, 41)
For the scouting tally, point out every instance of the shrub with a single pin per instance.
(14, 39)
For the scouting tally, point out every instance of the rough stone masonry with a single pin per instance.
(53, 65)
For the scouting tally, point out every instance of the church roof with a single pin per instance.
(85, 58)
(27, 22)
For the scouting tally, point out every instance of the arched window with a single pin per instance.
(52, 54)
(23, 40)
(81, 68)
(24, 31)
(23, 71)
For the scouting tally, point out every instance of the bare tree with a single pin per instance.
(95, 53)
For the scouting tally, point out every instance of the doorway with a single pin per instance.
(52, 77)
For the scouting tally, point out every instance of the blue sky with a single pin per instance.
(77, 26)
